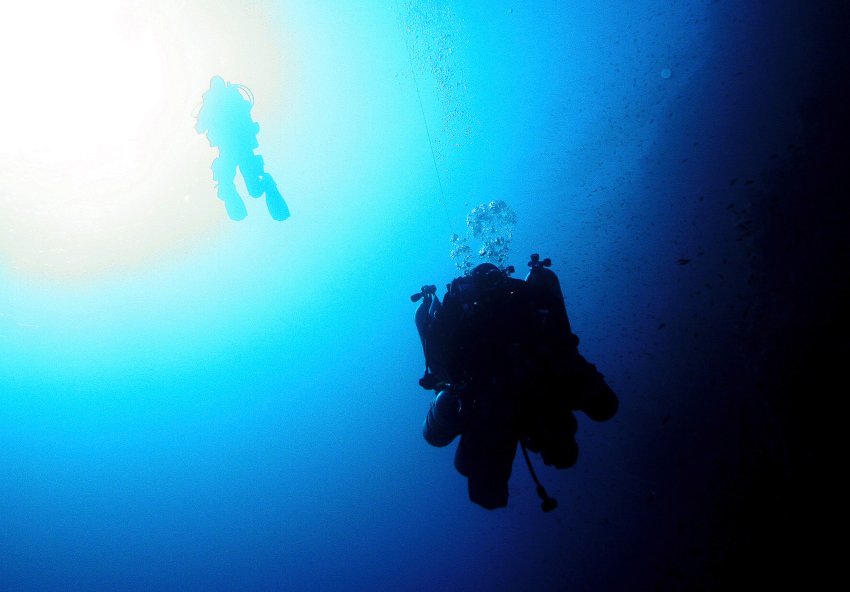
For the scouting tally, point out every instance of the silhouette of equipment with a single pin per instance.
(505, 366)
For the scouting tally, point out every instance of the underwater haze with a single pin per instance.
(192, 402)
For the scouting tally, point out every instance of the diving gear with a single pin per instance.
(444, 421)
(504, 363)
(548, 503)
(548, 295)
(425, 314)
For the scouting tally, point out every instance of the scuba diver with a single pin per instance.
(225, 117)
(505, 366)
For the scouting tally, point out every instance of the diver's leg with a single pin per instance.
(594, 397)
(485, 457)
(557, 433)
(224, 171)
(258, 181)
(251, 166)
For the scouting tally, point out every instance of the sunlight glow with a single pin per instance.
(80, 82)
(102, 167)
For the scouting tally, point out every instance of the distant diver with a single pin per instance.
(504, 363)
(225, 117)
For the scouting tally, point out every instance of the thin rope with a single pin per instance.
(427, 128)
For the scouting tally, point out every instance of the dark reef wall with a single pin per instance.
(745, 410)
(770, 528)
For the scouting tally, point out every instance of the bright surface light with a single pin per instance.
(102, 167)
(82, 78)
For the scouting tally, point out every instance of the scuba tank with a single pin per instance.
(548, 296)
(426, 312)
(589, 392)
(445, 420)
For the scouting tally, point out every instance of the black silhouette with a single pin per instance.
(504, 362)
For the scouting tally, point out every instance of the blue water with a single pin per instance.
(195, 403)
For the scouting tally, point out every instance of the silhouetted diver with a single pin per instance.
(225, 117)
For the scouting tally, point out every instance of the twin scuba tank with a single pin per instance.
(437, 322)
(549, 301)
(464, 292)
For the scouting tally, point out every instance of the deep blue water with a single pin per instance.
(194, 403)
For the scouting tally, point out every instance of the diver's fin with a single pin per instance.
(275, 203)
